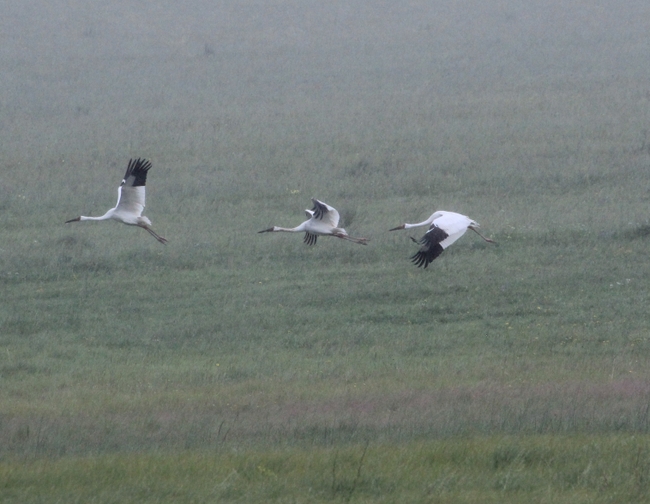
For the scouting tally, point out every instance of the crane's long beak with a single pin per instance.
(266, 230)
(398, 227)
(73, 220)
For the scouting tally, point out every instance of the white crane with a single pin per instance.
(130, 200)
(323, 221)
(444, 229)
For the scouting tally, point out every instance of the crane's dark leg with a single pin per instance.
(155, 235)
(360, 241)
(476, 231)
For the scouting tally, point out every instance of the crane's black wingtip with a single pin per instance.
(139, 164)
(310, 239)
(138, 168)
(319, 209)
(420, 259)
(427, 254)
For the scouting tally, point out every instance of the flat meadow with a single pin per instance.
(232, 366)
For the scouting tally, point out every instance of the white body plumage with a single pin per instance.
(130, 200)
(444, 229)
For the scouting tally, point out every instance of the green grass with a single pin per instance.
(496, 469)
(234, 366)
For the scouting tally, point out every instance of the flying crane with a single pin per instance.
(323, 220)
(130, 200)
(444, 229)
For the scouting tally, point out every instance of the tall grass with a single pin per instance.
(503, 469)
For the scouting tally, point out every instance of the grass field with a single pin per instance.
(230, 366)
(505, 470)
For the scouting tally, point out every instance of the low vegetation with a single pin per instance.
(237, 367)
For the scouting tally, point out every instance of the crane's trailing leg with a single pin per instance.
(476, 231)
(360, 241)
(154, 234)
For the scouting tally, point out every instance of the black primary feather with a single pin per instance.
(137, 169)
(319, 210)
(310, 239)
(431, 247)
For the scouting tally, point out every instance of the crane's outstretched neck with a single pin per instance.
(409, 226)
(419, 224)
(84, 218)
(106, 216)
(273, 229)
(427, 222)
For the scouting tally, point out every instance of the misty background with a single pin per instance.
(92, 84)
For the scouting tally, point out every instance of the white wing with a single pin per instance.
(131, 201)
(119, 195)
(132, 190)
(325, 213)
(453, 224)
